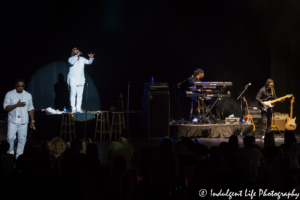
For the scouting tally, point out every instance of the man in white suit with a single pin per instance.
(76, 77)
(19, 104)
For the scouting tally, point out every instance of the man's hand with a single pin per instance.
(282, 100)
(91, 55)
(21, 104)
(32, 125)
(266, 105)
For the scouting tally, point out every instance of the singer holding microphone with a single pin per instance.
(76, 77)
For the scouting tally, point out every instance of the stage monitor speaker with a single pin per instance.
(156, 115)
(278, 120)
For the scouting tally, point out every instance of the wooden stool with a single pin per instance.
(103, 118)
(119, 122)
(67, 121)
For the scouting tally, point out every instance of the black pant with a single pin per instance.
(266, 117)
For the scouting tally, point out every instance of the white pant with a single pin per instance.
(12, 130)
(76, 89)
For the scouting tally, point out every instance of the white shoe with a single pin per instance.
(79, 111)
(73, 111)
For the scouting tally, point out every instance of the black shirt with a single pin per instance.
(194, 79)
(265, 95)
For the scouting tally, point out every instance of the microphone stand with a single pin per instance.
(240, 97)
(86, 99)
(127, 123)
(178, 87)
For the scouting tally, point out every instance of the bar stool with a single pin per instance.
(67, 121)
(102, 118)
(117, 123)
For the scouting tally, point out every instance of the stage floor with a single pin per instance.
(210, 130)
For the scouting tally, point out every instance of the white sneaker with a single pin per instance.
(79, 111)
(73, 111)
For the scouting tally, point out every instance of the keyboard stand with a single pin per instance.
(218, 117)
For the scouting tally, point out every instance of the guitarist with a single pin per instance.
(266, 93)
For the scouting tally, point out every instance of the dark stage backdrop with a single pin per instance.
(238, 41)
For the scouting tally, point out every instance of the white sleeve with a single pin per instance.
(72, 60)
(88, 61)
(30, 104)
(6, 101)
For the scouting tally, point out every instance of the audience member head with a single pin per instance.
(47, 147)
(34, 151)
(233, 141)
(92, 149)
(119, 165)
(224, 145)
(166, 146)
(28, 146)
(274, 152)
(76, 145)
(124, 136)
(249, 141)
(42, 160)
(188, 142)
(123, 141)
(4, 147)
(58, 145)
(289, 138)
(269, 139)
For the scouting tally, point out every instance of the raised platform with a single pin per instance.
(210, 130)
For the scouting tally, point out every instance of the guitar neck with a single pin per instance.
(278, 99)
(291, 113)
(247, 108)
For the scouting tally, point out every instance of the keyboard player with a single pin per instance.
(197, 76)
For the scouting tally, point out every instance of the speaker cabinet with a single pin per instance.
(257, 123)
(156, 115)
(278, 121)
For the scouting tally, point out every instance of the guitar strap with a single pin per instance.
(272, 91)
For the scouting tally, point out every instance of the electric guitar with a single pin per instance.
(290, 121)
(270, 103)
(248, 116)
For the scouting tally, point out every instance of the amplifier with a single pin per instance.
(232, 120)
(279, 116)
(278, 121)
(255, 113)
(156, 87)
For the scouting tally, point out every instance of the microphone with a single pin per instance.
(248, 84)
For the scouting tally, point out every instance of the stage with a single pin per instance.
(48, 127)
(210, 130)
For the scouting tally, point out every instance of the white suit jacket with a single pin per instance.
(76, 71)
